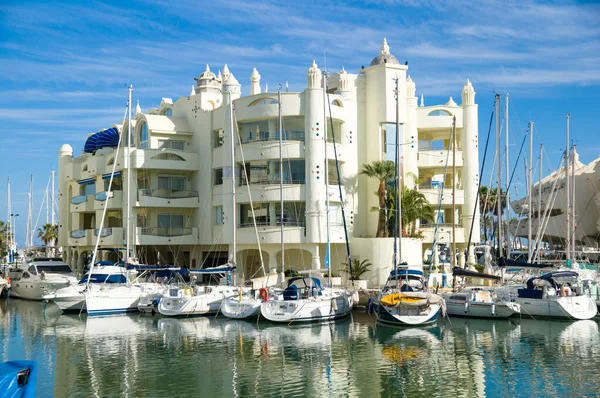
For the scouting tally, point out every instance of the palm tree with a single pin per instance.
(5, 237)
(383, 171)
(48, 234)
(415, 207)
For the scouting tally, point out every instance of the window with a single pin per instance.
(337, 129)
(111, 161)
(143, 182)
(218, 177)
(270, 214)
(117, 184)
(267, 172)
(218, 138)
(170, 220)
(167, 112)
(388, 140)
(255, 131)
(171, 183)
(88, 189)
(143, 135)
(332, 175)
(171, 144)
(439, 112)
(218, 215)
(114, 219)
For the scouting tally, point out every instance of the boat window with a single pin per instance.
(57, 269)
(458, 298)
(32, 270)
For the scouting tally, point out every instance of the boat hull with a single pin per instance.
(313, 309)
(569, 307)
(481, 310)
(235, 308)
(110, 300)
(400, 316)
(195, 301)
(36, 289)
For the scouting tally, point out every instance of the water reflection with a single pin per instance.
(150, 356)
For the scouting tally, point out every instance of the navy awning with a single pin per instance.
(102, 139)
(90, 143)
(86, 181)
(107, 176)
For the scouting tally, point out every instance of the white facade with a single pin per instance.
(181, 171)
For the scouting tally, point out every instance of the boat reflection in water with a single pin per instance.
(150, 356)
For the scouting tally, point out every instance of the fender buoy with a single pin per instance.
(188, 291)
(264, 294)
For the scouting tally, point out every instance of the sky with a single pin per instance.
(65, 66)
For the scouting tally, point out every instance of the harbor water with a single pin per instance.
(149, 356)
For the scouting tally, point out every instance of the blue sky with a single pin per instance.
(64, 65)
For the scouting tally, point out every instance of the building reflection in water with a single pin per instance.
(144, 355)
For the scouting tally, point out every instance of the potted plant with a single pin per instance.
(336, 279)
(358, 269)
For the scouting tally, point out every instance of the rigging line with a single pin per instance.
(487, 141)
(440, 197)
(112, 174)
(41, 207)
(337, 168)
(515, 166)
(235, 130)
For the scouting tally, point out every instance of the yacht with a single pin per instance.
(552, 295)
(72, 298)
(405, 301)
(41, 274)
(305, 300)
(198, 299)
(478, 301)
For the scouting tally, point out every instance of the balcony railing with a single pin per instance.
(78, 233)
(266, 136)
(275, 224)
(274, 181)
(104, 233)
(439, 185)
(168, 193)
(102, 196)
(76, 200)
(166, 231)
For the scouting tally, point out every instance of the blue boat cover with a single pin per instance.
(102, 139)
(315, 281)
(215, 270)
(507, 262)
(17, 379)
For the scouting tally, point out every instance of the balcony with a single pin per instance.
(114, 200)
(166, 236)
(167, 198)
(110, 236)
(82, 203)
(432, 194)
(437, 158)
(444, 232)
(80, 237)
(165, 159)
(293, 231)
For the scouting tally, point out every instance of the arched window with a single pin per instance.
(111, 161)
(263, 101)
(439, 112)
(85, 168)
(337, 103)
(143, 135)
(167, 112)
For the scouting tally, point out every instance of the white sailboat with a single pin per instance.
(304, 299)
(405, 299)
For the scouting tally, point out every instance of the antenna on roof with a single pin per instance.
(287, 88)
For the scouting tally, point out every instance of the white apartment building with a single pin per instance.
(182, 201)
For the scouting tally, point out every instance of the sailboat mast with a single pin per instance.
(507, 171)
(499, 177)
(9, 220)
(30, 215)
(567, 188)
(398, 217)
(530, 193)
(572, 229)
(326, 170)
(539, 242)
(128, 204)
(281, 180)
(53, 203)
(453, 192)
(233, 212)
